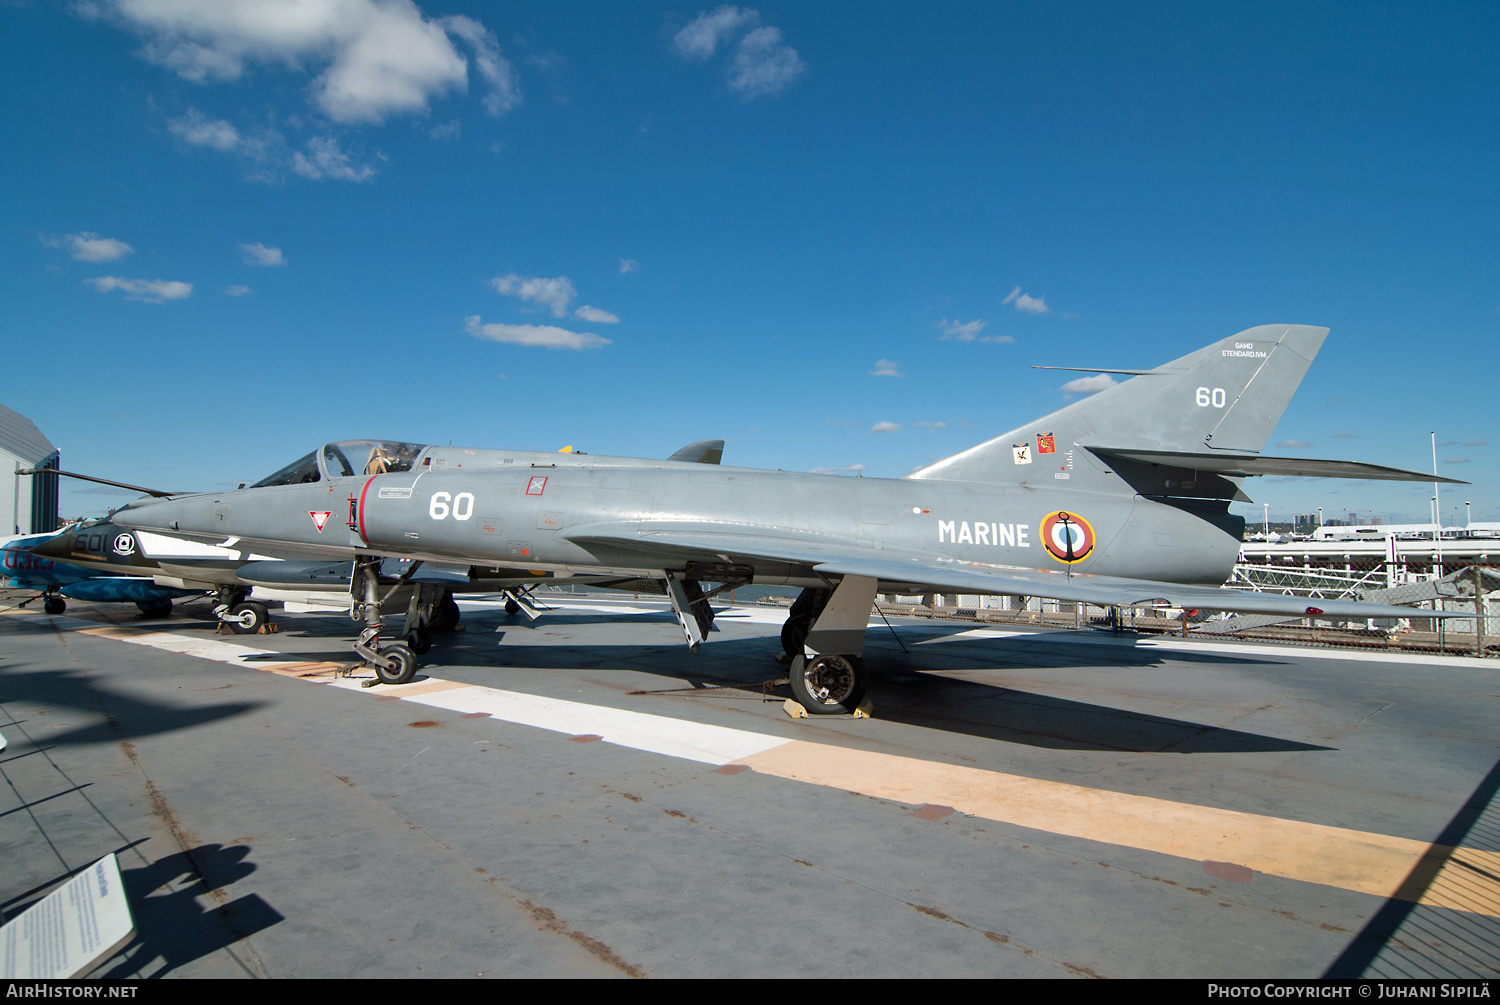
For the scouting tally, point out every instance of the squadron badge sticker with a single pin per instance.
(1068, 537)
(1022, 452)
(1045, 444)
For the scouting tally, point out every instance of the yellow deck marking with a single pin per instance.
(431, 685)
(1365, 862)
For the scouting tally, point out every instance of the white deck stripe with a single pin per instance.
(657, 734)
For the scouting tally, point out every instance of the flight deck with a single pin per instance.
(580, 795)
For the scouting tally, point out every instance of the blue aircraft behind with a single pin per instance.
(53, 580)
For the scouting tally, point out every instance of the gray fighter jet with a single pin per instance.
(1120, 499)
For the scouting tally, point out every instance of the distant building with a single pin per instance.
(30, 507)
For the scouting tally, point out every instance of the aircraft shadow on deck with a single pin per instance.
(125, 717)
(901, 691)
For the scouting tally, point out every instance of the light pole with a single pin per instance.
(1320, 518)
(1267, 530)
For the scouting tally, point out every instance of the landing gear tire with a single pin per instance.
(405, 668)
(511, 607)
(155, 610)
(248, 618)
(829, 684)
(419, 641)
(54, 605)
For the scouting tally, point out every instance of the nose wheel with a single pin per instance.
(403, 665)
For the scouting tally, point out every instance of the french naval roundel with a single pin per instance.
(1068, 537)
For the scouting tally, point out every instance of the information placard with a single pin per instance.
(78, 926)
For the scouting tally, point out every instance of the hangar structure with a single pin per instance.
(31, 505)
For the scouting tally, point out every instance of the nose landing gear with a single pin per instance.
(393, 664)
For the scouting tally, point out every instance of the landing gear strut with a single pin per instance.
(805, 610)
(394, 664)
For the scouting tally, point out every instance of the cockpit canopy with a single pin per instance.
(346, 459)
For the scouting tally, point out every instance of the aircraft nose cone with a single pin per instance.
(60, 546)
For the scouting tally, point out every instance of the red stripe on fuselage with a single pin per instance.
(362, 508)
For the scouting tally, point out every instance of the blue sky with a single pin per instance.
(835, 235)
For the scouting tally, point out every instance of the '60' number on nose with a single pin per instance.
(463, 506)
(1214, 397)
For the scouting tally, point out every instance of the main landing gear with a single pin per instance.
(431, 610)
(824, 637)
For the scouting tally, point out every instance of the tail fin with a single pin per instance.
(1225, 397)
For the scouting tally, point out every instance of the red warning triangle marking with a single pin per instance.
(319, 519)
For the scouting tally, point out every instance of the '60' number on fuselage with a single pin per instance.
(1215, 397)
(463, 506)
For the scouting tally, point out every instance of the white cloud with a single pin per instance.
(1293, 444)
(1476, 443)
(847, 469)
(1089, 385)
(1026, 303)
(594, 314)
(885, 427)
(505, 88)
(934, 426)
(259, 254)
(764, 64)
(968, 331)
(545, 336)
(701, 38)
(380, 57)
(886, 368)
(86, 246)
(1455, 460)
(324, 159)
(628, 265)
(961, 331)
(237, 291)
(152, 291)
(268, 150)
(554, 294)
(446, 131)
(197, 129)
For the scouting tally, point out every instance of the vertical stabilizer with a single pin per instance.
(1225, 397)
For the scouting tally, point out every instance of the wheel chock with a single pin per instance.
(794, 709)
(865, 710)
(269, 628)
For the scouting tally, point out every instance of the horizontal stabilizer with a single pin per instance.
(702, 452)
(1245, 465)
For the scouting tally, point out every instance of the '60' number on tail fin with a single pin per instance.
(463, 505)
(1215, 397)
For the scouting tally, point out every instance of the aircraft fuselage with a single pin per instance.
(583, 514)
